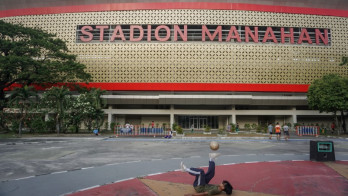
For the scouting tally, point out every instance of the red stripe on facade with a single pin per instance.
(217, 87)
(173, 5)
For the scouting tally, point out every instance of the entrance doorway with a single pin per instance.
(198, 122)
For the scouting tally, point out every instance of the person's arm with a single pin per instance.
(197, 194)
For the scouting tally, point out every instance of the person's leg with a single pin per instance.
(211, 172)
(197, 172)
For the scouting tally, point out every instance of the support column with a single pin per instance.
(109, 117)
(171, 116)
(294, 116)
(233, 116)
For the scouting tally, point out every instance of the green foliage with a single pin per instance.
(221, 131)
(23, 99)
(37, 124)
(179, 130)
(329, 94)
(57, 100)
(253, 126)
(175, 126)
(259, 128)
(247, 127)
(207, 128)
(233, 127)
(31, 55)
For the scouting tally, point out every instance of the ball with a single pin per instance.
(214, 145)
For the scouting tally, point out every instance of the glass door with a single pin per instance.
(202, 123)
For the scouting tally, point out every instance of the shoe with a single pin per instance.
(213, 155)
(183, 167)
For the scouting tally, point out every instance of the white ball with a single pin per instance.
(214, 145)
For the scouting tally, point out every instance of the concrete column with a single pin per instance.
(233, 116)
(171, 116)
(294, 116)
(109, 121)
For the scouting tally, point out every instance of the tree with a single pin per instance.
(33, 56)
(57, 100)
(22, 98)
(329, 94)
(95, 116)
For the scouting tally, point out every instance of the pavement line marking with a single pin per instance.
(252, 162)
(155, 174)
(133, 161)
(87, 167)
(274, 161)
(123, 180)
(88, 188)
(24, 178)
(229, 164)
(195, 157)
(250, 154)
(112, 164)
(288, 154)
(176, 158)
(156, 159)
(59, 172)
(231, 155)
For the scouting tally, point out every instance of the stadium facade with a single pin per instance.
(199, 63)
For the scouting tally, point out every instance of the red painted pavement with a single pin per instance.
(281, 178)
(125, 188)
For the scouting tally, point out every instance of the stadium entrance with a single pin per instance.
(198, 122)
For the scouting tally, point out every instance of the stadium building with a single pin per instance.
(199, 63)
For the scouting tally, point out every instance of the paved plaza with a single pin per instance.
(149, 166)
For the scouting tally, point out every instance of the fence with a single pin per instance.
(307, 130)
(137, 130)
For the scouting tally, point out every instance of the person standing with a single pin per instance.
(237, 127)
(286, 132)
(270, 130)
(277, 131)
(332, 127)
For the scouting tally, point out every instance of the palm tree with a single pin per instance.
(57, 100)
(22, 98)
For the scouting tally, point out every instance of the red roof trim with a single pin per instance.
(172, 5)
(207, 87)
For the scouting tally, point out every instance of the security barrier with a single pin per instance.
(307, 130)
(137, 130)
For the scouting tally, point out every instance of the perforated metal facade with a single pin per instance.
(200, 62)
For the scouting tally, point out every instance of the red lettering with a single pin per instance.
(141, 34)
(101, 38)
(115, 34)
(148, 33)
(284, 35)
(205, 31)
(167, 31)
(233, 30)
(304, 36)
(183, 35)
(318, 36)
(248, 33)
(267, 37)
(84, 32)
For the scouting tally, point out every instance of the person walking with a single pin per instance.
(270, 130)
(286, 132)
(277, 131)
